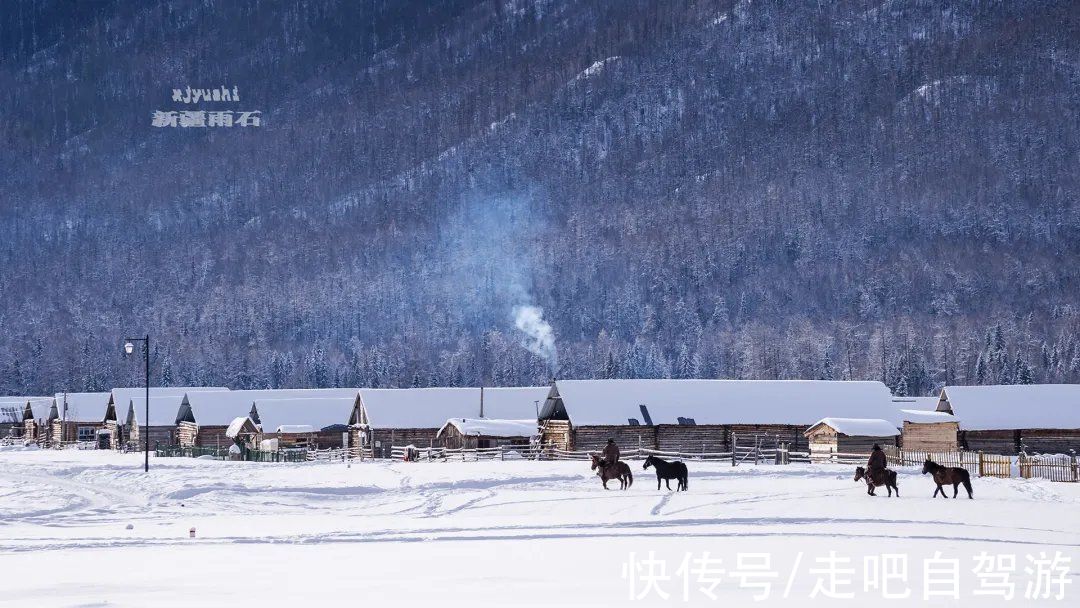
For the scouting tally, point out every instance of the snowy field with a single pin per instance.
(91, 529)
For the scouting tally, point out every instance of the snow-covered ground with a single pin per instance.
(86, 528)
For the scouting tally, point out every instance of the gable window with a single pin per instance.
(86, 433)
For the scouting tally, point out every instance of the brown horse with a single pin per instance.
(885, 478)
(620, 471)
(943, 475)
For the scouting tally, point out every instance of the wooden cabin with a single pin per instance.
(1003, 419)
(929, 431)
(36, 419)
(127, 407)
(312, 422)
(483, 433)
(831, 436)
(695, 416)
(414, 416)
(11, 416)
(205, 416)
(163, 422)
(79, 417)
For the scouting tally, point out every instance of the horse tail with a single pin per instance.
(966, 480)
(629, 477)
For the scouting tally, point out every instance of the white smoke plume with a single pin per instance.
(540, 338)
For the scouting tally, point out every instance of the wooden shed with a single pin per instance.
(205, 416)
(929, 431)
(414, 416)
(831, 436)
(79, 417)
(695, 416)
(1002, 419)
(313, 422)
(482, 433)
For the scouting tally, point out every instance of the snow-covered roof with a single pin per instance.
(614, 402)
(293, 428)
(419, 408)
(164, 410)
(219, 409)
(82, 407)
(858, 427)
(15, 407)
(512, 402)
(1014, 406)
(236, 426)
(314, 412)
(926, 416)
(40, 407)
(916, 403)
(491, 427)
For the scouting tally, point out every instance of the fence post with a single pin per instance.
(1075, 466)
(980, 463)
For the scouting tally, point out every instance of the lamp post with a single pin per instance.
(129, 348)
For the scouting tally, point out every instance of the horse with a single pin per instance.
(667, 471)
(887, 479)
(943, 475)
(620, 471)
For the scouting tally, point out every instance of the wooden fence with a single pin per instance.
(1054, 467)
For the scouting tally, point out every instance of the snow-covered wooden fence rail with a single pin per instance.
(1053, 467)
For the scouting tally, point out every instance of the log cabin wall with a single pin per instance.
(992, 442)
(213, 437)
(594, 438)
(692, 439)
(421, 438)
(930, 436)
(791, 434)
(856, 444)
(187, 433)
(159, 435)
(1050, 441)
(556, 433)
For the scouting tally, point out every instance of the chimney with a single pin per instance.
(481, 401)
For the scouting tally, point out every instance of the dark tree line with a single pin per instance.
(688, 189)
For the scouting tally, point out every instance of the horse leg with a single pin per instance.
(658, 481)
(937, 490)
(667, 482)
(955, 489)
(604, 479)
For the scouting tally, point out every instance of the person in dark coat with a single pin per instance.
(876, 464)
(610, 453)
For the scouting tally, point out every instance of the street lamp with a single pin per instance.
(129, 347)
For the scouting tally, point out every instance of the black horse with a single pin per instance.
(667, 471)
(943, 475)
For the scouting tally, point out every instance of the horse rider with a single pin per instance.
(610, 453)
(876, 464)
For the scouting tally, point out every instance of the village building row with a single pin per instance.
(690, 416)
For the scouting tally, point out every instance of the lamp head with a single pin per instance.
(129, 347)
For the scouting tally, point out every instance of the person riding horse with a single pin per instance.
(877, 463)
(609, 456)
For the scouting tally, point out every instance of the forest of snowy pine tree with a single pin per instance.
(709, 189)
